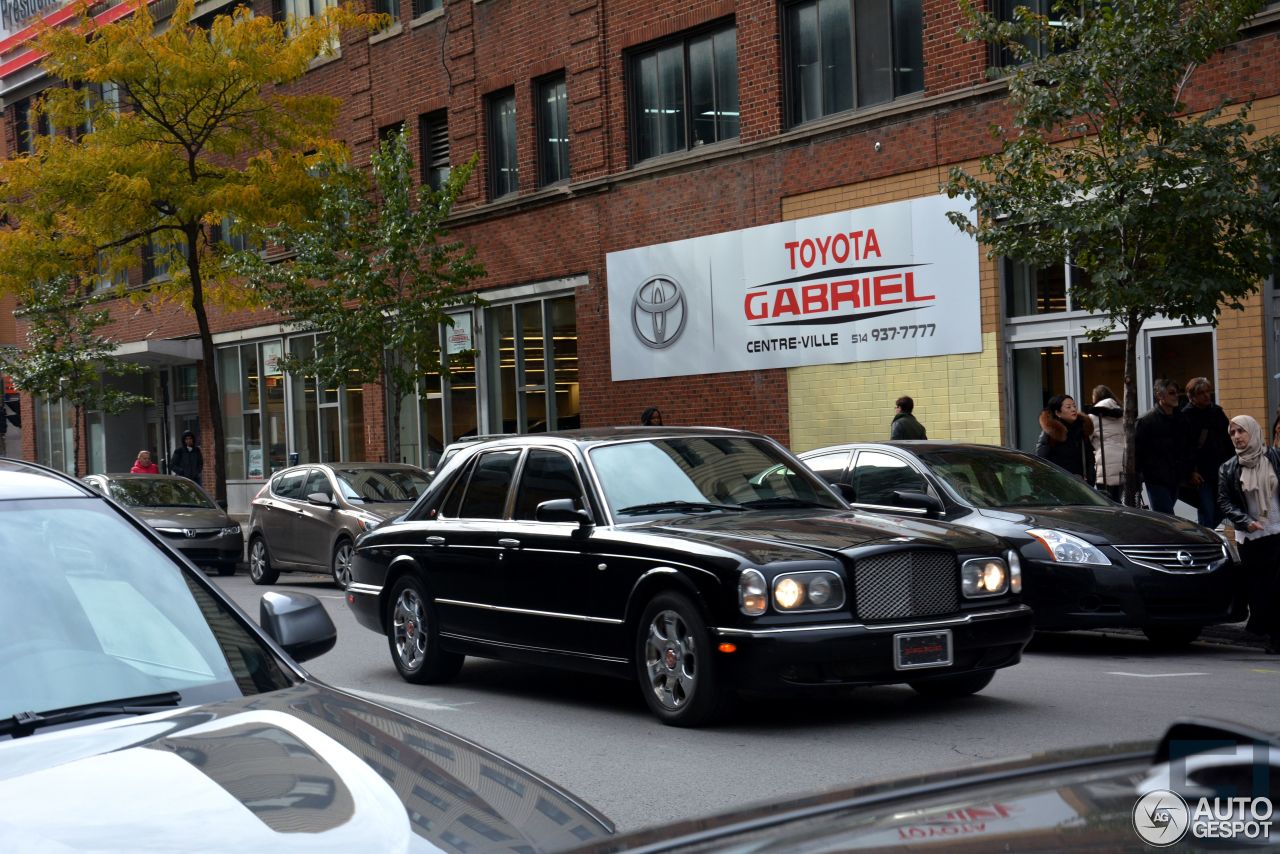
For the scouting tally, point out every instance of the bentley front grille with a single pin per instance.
(906, 584)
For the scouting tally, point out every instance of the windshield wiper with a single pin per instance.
(25, 723)
(678, 507)
(780, 501)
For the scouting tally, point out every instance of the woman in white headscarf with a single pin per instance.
(1249, 495)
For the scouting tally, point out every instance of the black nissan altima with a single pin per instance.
(1088, 562)
(693, 560)
(141, 710)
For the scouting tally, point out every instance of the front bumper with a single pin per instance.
(853, 654)
(202, 550)
(1072, 596)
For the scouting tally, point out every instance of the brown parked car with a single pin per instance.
(306, 517)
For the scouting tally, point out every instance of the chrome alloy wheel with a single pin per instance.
(410, 633)
(342, 559)
(670, 657)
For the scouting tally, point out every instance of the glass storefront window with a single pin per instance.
(185, 384)
(564, 359)
(1032, 290)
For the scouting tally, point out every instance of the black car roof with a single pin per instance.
(22, 479)
(594, 435)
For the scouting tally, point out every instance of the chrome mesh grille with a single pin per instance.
(1196, 558)
(905, 584)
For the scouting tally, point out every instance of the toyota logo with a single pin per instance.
(658, 312)
(1185, 558)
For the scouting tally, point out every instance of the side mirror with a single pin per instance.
(222, 504)
(562, 510)
(918, 501)
(322, 499)
(846, 490)
(298, 622)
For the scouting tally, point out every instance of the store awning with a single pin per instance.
(159, 352)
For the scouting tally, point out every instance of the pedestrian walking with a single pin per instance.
(187, 459)
(1209, 446)
(1249, 495)
(144, 465)
(651, 417)
(904, 424)
(1160, 445)
(1107, 417)
(1065, 437)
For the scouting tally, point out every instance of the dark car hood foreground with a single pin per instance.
(307, 768)
(1102, 525)
(763, 536)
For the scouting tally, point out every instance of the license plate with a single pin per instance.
(922, 649)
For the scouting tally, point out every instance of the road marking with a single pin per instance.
(391, 699)
(1151, 675)
(1262, 670)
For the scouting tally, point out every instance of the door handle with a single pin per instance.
(508, 543)
(435, 541)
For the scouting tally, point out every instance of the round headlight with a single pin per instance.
(788, 594)
(992, 577)
(820, 590)
(753, 597)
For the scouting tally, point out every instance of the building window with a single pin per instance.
(228, 235)
(391, 131)
(422, 7)
(532, 353)
(553, 131)
(55, 436)
(155, 263)
(390, 8)
(30, 122)
(433, 138)
(685, 93)
(503, 169)
(1005, 12)
(283, 10)
(1030, 291)
(846, 54)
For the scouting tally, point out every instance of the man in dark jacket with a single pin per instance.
(1160, 444)
(187, 460)
(905, 425)
(1209, 447)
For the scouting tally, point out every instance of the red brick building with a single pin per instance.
(608, 127)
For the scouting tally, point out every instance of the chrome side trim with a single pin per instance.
(608, 621)
(887, 627)
(549, 650)
(364, 589)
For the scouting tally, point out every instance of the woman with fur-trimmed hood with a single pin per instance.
(1065, 437)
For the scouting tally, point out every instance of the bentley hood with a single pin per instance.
(304, 769)
(764, 536)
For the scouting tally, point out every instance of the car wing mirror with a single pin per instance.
(846, 490)
(917, 501)
(322, 499)
(298, 622)
(222, 504)
(562, 510)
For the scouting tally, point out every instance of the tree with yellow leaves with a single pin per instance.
(180, 128)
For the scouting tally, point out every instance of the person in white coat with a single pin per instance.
(1108, 441)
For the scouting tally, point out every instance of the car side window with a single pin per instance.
(289, 485)
(486, 495)
(876, 476)
(317, 481)
(829, 467)
(547, 475)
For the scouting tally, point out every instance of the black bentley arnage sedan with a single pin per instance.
(694, 560)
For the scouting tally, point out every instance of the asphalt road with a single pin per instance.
(594, 735)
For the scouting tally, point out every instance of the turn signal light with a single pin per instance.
(728, 647)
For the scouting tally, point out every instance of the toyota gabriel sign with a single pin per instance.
(885, 282)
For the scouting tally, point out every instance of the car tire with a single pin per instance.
(413, 636)
(226, 569)
(260, 570)
(1174, 636)
(675, 665)
(950, 687)
(340, 563)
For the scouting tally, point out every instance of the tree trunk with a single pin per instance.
(79, 422)
(208, 374)
(1133, 325)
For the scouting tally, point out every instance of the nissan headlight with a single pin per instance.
(1067, 548)
(986, 576)
(821, 590)
(753, 595)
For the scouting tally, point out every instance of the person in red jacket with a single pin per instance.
(144, 465)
